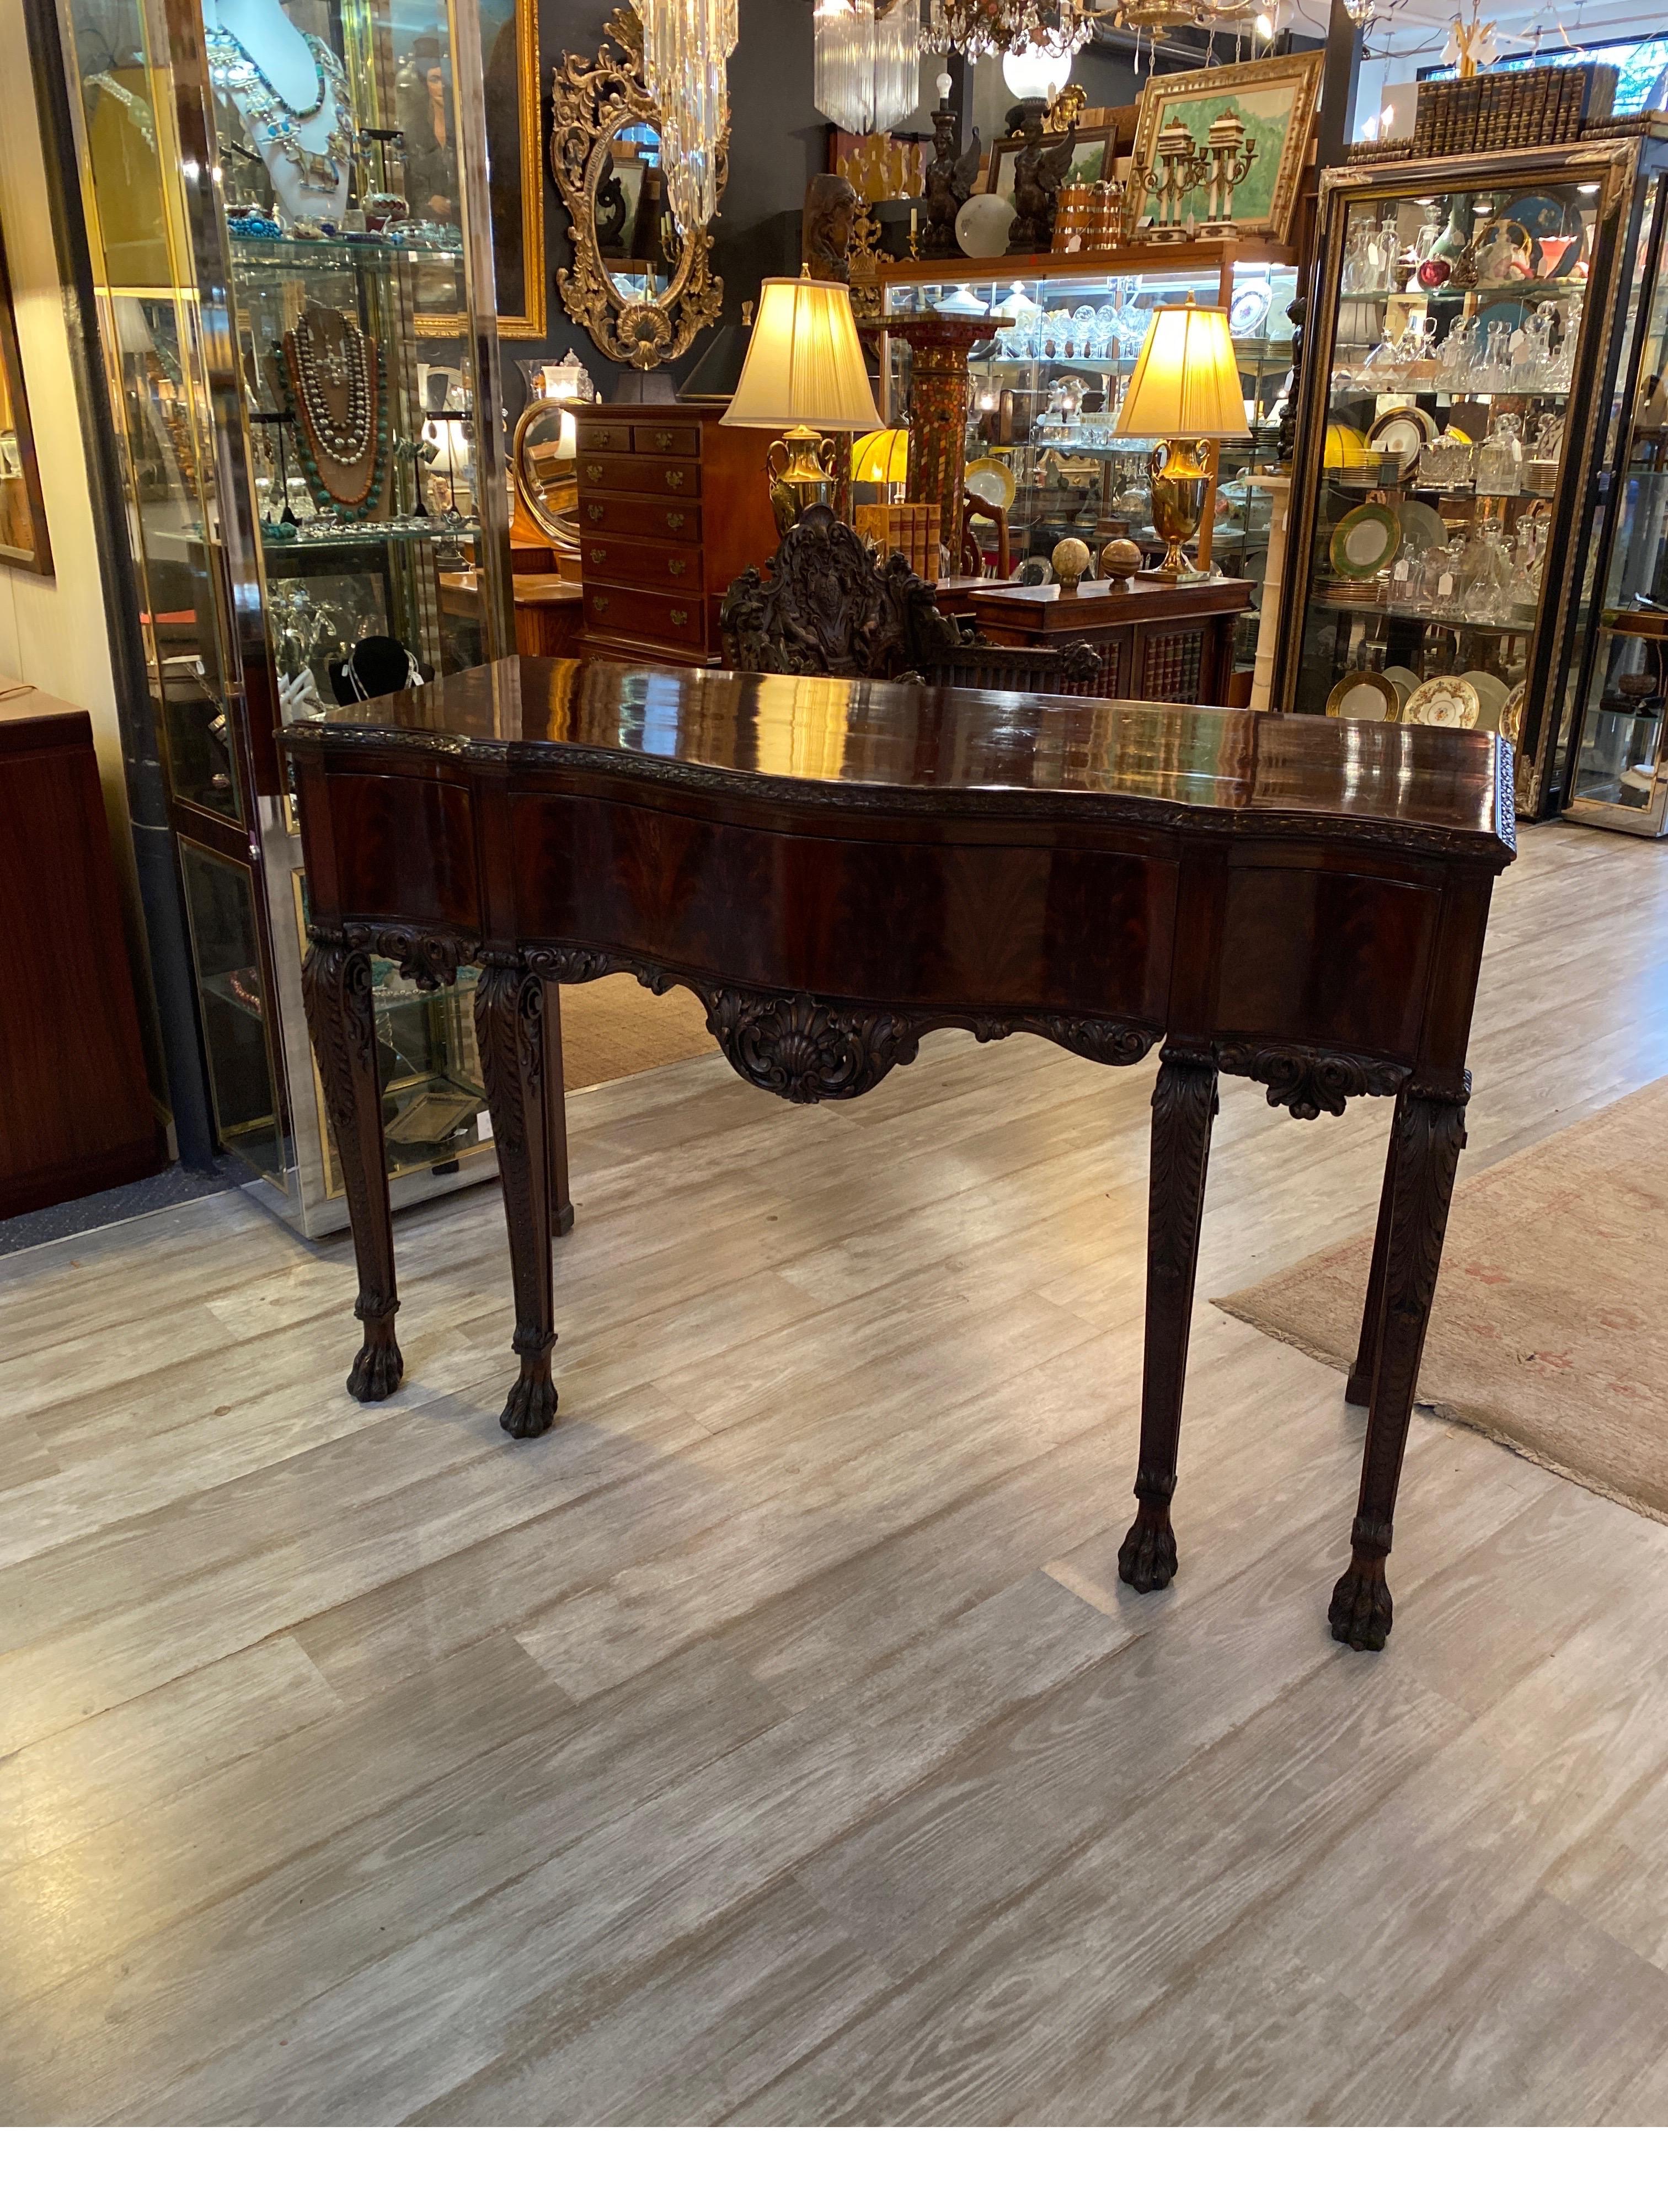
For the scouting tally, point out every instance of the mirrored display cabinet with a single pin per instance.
(1474, 336)
(1620, 776)
(287, 210)
(1044, 394)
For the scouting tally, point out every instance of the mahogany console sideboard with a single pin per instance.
(835, 868)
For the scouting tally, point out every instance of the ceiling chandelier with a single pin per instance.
(867, 57)
(1154, 16)
(1057, 28)
(687, 45)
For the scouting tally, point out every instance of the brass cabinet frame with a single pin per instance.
(1559, 643)
(591, 102)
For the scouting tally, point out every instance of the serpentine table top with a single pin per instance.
(835, 868)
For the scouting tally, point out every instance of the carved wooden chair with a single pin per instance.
(832, 608)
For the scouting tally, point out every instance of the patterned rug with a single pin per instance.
(1549, 1330)
(615, 1027)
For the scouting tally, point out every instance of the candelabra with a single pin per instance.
(1177, 166)
(1229, 156)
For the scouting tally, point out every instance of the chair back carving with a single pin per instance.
(832, 608)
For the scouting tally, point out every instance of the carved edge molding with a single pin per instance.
(1490, 849)
(1310, 1083)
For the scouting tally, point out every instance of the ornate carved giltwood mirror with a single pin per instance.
(643, 288)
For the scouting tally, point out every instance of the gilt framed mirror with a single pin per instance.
(546, 478)
(643, 289)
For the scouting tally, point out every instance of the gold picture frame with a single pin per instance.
(23, 539)
(510, 77)
(1275, 99)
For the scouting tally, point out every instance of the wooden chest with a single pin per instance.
(673, 505)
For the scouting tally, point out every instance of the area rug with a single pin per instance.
(1549, 1328)
(615, 1027)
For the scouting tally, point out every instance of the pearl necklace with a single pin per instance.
(344, 442)
(235, 73)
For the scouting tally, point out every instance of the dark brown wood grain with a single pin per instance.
(836, 868)
(75, 1112)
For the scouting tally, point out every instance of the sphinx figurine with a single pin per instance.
(1039, 173)
(949, 180)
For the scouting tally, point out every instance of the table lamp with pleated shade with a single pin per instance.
(803, 375)
(1186, 385)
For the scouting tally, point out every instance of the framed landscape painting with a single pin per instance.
(1275, 101)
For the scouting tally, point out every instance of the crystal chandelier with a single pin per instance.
(1155, 16)
(687, 45)
(868, 68)
(1058, 28)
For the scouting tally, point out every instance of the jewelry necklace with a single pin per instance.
(351, 445)
(272, 121)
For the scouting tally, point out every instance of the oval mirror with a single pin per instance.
(545, 475)
(637, 240)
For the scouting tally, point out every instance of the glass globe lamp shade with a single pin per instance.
(1034, 73)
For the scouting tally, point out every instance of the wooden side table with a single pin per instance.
(1172, 642)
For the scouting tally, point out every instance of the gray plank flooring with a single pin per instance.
(773, 1741)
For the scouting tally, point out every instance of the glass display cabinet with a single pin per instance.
(292, 256)
(1474, 323)
(1620, 776)
(1044, 395)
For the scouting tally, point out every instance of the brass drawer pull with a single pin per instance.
(675, 519)
(594, 472)
(673, 479)
(599, 603)
(599, 554)
(674, 568)
(596, 510)
(680, 616)
(663, 439)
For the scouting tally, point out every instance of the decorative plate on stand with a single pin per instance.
(993, 481)
(1367, 540)
(1399, 434)
(1511, 714)
(1363, 695)
(1445, 703)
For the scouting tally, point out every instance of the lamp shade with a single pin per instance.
(882, 458)
(804, 365)
(1186, 383)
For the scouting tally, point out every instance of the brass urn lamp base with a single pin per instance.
(1180, 482)
(801, 477)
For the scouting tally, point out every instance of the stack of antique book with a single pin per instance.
(910, 529)
(1511, 107)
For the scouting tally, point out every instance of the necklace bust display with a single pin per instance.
(290, 92)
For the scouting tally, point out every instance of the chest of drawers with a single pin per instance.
(672, 507)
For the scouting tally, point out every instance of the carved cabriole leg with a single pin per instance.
(1428, 1136)
(1183, 1103)
(336, 990)
(561, 1202)
(509, 1023)
(1358, 1390)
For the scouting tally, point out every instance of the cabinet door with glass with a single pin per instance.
(287, 204)
(1471, 319)
(1619, 778)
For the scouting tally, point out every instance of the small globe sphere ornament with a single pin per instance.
(1072, 561)
(1120, 559)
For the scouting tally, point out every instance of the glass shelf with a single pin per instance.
(398, 529)
(312, 256)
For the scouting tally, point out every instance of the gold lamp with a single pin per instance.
(803, 375)
(1186, 385)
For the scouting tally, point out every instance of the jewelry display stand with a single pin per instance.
(305, 370)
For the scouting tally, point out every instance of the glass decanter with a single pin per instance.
(1458, 352)
(1483, 588)
(1494, 371)
(1535, 365)
(1563, 361)
(1358, 258)
(1499, 460)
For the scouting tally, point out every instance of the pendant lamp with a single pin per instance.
(867, 57)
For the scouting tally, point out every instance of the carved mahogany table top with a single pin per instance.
(836, 868)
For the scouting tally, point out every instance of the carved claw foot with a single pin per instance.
(1361, 1610)
(375, 1374)
(531, 1406)
(1147, 1556)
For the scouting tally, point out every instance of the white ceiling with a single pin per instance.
(1404, 26)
